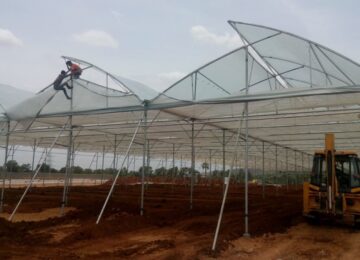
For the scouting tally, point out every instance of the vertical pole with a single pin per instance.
(210, 167)
(71, 168)
(128, 164)
(44, 169)
(166, 160)
(67, 169)
(102, 164)
(192, 164)
(4, 167)
(12, 170)
(42, 157)
(223, 160)
(276, 169)
(276, 160)
(144, 162)
(107, 90)
(255, 169)
(147, 171)
(226, 191)
(263, 169)
(173, 167)
(302, 166)
(96, 166)
(246, 233)
(287, 169)
(295, 170)
(69, 152)
(115, 144)
(97, 161)
(33, 155)
(118, 173)
(309, 169)
(223, 152)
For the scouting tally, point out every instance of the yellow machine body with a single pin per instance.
(334, 187)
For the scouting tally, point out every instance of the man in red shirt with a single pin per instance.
(75, 70)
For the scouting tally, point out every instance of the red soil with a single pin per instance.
(167, 230)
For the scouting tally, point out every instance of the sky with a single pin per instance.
(154, 42)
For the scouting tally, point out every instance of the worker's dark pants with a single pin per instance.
(62, 87)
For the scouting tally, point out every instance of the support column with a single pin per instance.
(263, 169)
(173, 167)
(68, 166)
(302, 166)
(166, 160)
(12, 170)
(42, 158)
(223, 152)
(102, 165)
(115, 146)
(295, 171)
(276, 160)
(246, 233)
(210, 167)
(192, 163)
(33, 155)
(223, 160)
(144, 162)
(118, 173)
(287, 169)
(147, 169)
(276, 170)
(4, 167)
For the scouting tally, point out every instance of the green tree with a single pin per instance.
(148, 170)
(78, 169)
(160, 171)
(12, 166)
(173, 171)
(205, 166)
(44, 167)
(87, 171)
(26, 167)
(124, 171)
(184, 171)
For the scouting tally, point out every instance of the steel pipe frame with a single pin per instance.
(235, 155)
(246, 209)
(4, 167)
(118, 173)
(144, 163)
(263, 170)
(192, 164)
(36, 172)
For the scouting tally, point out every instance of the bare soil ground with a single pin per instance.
(168, 230)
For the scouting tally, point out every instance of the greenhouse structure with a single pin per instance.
(266, 104)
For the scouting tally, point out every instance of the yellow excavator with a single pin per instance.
(334, 188)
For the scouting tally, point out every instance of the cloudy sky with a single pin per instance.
(154, 42)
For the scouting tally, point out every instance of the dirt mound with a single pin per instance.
(168, 229)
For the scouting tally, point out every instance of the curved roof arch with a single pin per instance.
(313, 64)
(270, 60)
(95, 91)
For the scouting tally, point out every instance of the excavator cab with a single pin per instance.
(334, 187)
(347, 172)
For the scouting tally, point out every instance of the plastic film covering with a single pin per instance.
(296, 90)
(298, 61)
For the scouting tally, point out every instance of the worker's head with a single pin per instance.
(63, 72)
(69, 63)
